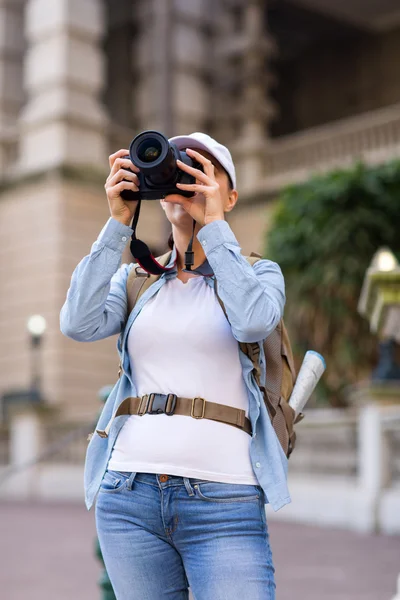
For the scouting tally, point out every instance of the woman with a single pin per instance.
(181, 500)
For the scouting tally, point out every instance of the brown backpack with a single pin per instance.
(280, 370)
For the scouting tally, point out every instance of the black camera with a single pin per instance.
(156, 158)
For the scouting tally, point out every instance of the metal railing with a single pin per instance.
(373, 137)
(66, 442)
(327, 443)
(391, 431)
(4, 445)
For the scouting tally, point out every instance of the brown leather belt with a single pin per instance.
(170, 404)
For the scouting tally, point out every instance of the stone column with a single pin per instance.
(64, 121)
(170, 61)
(255, 108)
(171, 92)
(11, 94)
(119, 91)
(151, 61)
(242, 107)
(224, 73)
(25, 448)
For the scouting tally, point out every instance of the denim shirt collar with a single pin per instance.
(204, 269)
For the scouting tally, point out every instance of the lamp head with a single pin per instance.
(384, 260)
(36, 325)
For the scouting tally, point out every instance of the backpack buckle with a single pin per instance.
(161, 403)
(201, 416)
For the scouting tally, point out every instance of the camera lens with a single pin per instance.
(149, 150)
(155, 157)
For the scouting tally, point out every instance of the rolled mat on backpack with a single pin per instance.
(310, 373)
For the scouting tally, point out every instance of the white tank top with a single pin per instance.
(181, 343)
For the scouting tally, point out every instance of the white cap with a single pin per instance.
(202, 141)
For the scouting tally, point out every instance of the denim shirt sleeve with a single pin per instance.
(96, 303)
(254, 297)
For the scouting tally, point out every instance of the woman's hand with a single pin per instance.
(120, 209)
(207, 205)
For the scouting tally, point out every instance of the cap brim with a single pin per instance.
(184, 141)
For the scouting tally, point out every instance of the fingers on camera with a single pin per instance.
(120, 175)
(113, 157)
(124, 174)
(122, 163)
(126, 163)
(125, 185)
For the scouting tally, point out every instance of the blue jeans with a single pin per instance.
(161, 534)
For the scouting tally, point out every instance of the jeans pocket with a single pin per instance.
(113, 481)
(226, 492)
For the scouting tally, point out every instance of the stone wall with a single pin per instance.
(46, 228)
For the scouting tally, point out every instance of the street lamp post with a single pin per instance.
(36, 326)
(380, 303)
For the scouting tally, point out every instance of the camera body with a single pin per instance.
(156, 158)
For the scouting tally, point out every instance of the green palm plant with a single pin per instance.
(323, 235)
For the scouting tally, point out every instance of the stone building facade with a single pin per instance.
(292, 87)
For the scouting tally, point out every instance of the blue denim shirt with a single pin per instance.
(254, 298)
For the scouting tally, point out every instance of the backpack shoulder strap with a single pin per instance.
(280, 376)
(139, 281)
(272, 348)
(251, 350)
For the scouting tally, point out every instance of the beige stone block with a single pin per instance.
(59, 143)
(189, 46)
(62, 58)
(44, 17)
(61, 103)
(190, 95)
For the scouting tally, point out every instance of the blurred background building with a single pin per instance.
(292, 87)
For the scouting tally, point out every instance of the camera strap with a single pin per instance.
(204, 269)
(189, 254)
(142, 253)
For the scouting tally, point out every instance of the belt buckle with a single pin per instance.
(160, 403)
(156, 404)
(202, 411)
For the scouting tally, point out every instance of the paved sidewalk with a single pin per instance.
(47, 553)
